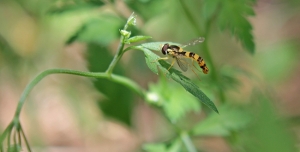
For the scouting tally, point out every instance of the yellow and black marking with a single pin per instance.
(177, 52)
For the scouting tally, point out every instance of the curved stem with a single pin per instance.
(119, 79)
(107, 75)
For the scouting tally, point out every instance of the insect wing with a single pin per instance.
(181, 63)
(194, 42)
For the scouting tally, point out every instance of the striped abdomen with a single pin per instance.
(197, 58)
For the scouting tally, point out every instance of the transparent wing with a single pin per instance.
(194, 42)
(183, 65)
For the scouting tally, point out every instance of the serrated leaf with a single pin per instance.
(233, 16)
(153, 63)
(138, 38)
(232, 119)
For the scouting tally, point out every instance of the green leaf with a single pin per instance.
(153, 63)
(269, 131)
(174, 100)
(118, 100)
(232, 119)
(156, 46)
(102, 30)
(138, 38)
(209, 8)
(233, 16)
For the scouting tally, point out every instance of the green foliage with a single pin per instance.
(173, 99)
(175, 146)
(137, 39)
(115, 94)
(231, 15)
(100, 30)
(269, 131)
(231, 119)
(8, 55)
(153, 63)
(66, 7)
(243, 129)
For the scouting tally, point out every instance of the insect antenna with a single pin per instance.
(194, 42)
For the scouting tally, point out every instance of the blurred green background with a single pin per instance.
(257, 90)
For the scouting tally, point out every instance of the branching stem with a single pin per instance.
(15, 124)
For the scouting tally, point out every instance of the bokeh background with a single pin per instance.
(69, 113)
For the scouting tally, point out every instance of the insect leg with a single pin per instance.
(196, 74)
(195, 66)
(173, 61)
(194, 71)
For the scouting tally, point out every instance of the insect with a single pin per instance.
(177, 53)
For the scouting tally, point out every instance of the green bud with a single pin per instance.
(132, 20)
(125, 33)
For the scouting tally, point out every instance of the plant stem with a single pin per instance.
(107, 75)
(119, 79)
(187, 142)
(25, 139)
(124, 35)
(117, 56)
(208, 56)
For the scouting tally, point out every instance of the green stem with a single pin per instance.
(187, 142)
(25, 139)
(119, 79)
(208, 56)
(107, 75)
(120, 51)
(117, 57)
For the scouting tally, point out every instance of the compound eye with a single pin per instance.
(164, 49)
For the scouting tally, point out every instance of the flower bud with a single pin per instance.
(125, 33)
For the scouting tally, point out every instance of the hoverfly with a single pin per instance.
(177, 53)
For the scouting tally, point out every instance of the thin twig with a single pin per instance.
(25, 139)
